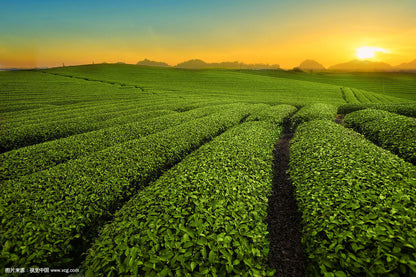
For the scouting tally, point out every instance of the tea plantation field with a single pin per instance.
(124, 170)
(401, 85)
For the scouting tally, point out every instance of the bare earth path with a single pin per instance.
(286, 252)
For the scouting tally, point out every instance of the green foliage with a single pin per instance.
(313, 112)
(357, 96)
(349, 95)
(26, 91)
(112, 129)
(361, 96)
(403, 109)
(22, 131)
(224, 84)
(396, 133)
(357, 203)
(396, 87)
(50, 215)
(203, 217)
(275, 114)
(42, 156)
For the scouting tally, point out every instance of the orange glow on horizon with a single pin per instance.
(287, 55)
(325, 49)
(325, 35)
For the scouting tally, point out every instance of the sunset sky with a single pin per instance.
(48, 33)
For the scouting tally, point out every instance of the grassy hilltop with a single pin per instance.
(210, 83)
(401, 85)
(266, 86)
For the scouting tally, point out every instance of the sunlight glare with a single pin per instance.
(366, 52)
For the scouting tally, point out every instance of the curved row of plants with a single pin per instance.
(364, 96)
(204, 217)
(313, 112)
(45, 130)
(49, 216)
(358, 96)
(357, 203)
(68, 112)
(30, 134)
(396, 133)
(276, 114)
(408, 109)
(106, 110)
(26, 91)
(349, 95)
(70, 95)
(42, 156)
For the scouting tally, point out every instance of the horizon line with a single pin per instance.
(294, 69)
(275, 65)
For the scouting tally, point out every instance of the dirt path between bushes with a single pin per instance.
(286, 253)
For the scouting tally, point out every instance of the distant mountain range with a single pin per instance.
(307, 66)
(198, 64)
(310, 65)
(357, 66)
(407, 66)
(152, 63)
(361, 66)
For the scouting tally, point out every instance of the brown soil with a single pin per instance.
(284, 221)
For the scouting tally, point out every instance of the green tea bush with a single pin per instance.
(349, 95)
(376, 97)
(312, 112)
(20, 133)
(82, 110)
(403, 109)
(49, 216)
(357, 203)
(275, 114)
(29, 134)
(362, 96)
(357, 96)
(204, 217)
(396, 133)
(42, 156)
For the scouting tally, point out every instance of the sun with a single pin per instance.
(367, 52)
